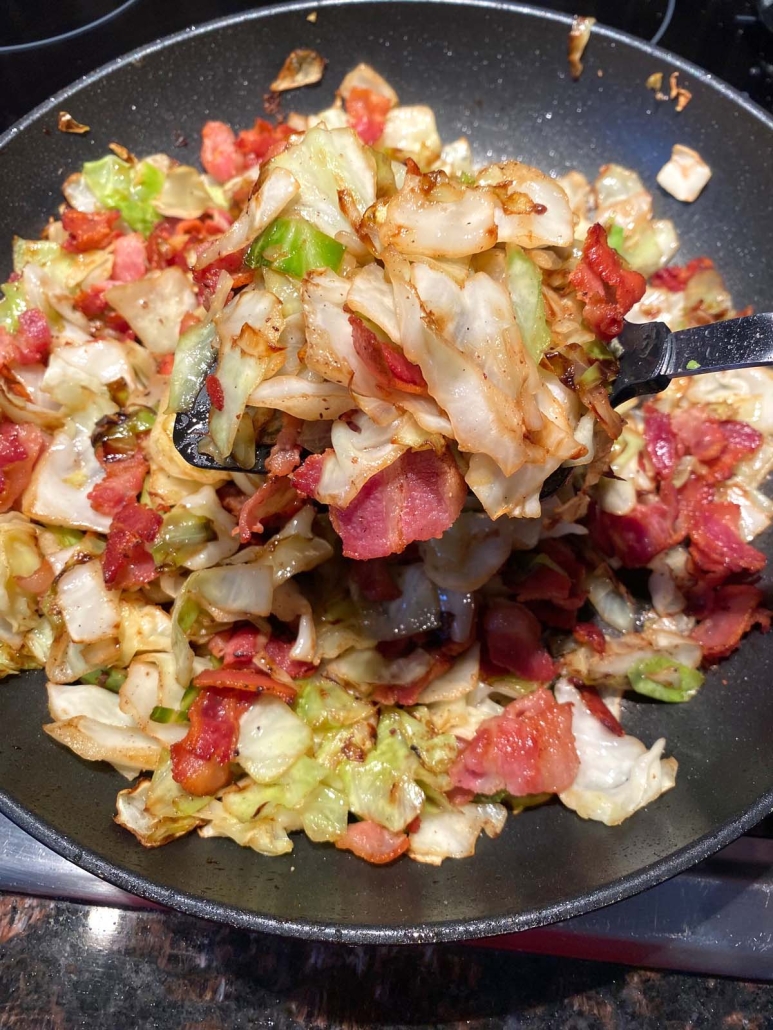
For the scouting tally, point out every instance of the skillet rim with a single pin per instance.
(448, 930)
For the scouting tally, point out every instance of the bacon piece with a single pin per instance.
(20, 448)
(262, 141)
(285, 455)
(278, 654)
(386, 363)
(252, 680)
(528, 749)
(649, 528)
(733, 609)
(661, 441)
(219, 153)
(589, 634)
(33, 338)
(513, 639)
(129, 262)
(374, 580)
(201, 760)
(367, 112)
(91, 302)
(417, 497)
(89, 231)
(275, 497)
(123, 479)
(238, 647)
(408, 693)
(715, 542)
(126, 563)
(372, 842)
(607, 290)
(306, 478)
(676, 277)
(215, 392)
(595, 705)
(717, 445)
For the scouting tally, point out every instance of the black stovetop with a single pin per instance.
(725, 36)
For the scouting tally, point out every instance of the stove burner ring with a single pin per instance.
(61, 37)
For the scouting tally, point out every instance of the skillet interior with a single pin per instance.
(498, 75)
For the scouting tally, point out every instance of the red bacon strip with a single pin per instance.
(416, 498)
(661, 441)
(372, 842)
(129, 261)
(201, 760)
(275, 497)
(733, 609)
(251, 680)
(285, 456)
(595, 705)
(367, 112)
(386, 363)
(635, 538)
(676, 277)
(123, 479)
(528, 749)
(89, 231)
(607, 290)
(20, 448)
(590, 635)
(219, 154)
(514, 642)
(126, 563)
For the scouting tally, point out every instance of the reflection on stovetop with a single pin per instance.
(724, 36)
(712, 919)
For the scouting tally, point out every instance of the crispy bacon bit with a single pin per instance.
(306, 478)
(201, 760)
(715, 541)
(590, 635)
(676, 277)
(367, 112)
(374, 580)
(285, 455)
(215, 392)
(607, 290)
(66, 123)
(32, 341)
(278, 654)
(417, 497)
(733, 609)
(718, 445)
(262, 141)
(129, 262)
(302, 67)
(387, 363)
(126, 563)
(123, 480)
(252, 680)
(513, 639)
(661, 441)
(648, 529)
(408, 693)
(20, 447)
(238, 647)
(372, 842)
(275, 497)
(579, 34)
(679, 93)
(595, 705)
(219, 153)
(528, 749)
(89, 231)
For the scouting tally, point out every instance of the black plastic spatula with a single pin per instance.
(651, 356)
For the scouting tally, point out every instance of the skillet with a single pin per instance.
(498, 74)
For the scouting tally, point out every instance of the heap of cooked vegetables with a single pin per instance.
(388, 640)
